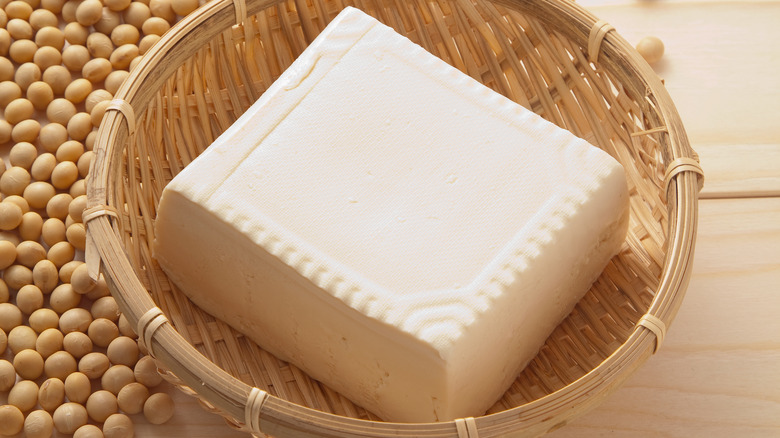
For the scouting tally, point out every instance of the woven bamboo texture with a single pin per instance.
(550, 56)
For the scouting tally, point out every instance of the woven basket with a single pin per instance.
(550, 56)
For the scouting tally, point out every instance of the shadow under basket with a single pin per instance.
(552, 57)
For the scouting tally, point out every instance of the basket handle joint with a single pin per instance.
(655, 325)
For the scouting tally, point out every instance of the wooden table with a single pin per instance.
(718, 372)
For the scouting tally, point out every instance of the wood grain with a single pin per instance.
(717, 373)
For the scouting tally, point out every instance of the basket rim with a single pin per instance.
(229, 395)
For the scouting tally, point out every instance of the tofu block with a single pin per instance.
(396, 229)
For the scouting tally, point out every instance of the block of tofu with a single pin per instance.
(394, 228)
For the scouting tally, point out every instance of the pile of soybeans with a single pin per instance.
(69, 361)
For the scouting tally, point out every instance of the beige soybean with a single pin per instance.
(10, 215)
(49, 342)
(158, 408)
(75, 320)
(162, 9)
(108, 21)
(80, 126)
(46, 57)
(116, 377)
(184, 7)
(66, 173)
(123, 351)
(53, 231)
(7, 254)
(77, 236)
(50, 36)
(95, 97)
(7, 375)
(14, 180)
(123, 56)
(58, 206)
(63, 298)
(70, 150)
(88, 12)
(19, 201)
(23, 154)
(105, 307)
(76, 34)
(24, 395)
(61, 253)
(155, 26)
(30, 227)
(99, 45)
(26, 131)
(16, 276)
(145, 372)
(78, 90)
(28, 364)
(41, 18)
(75, 57)
(43, 319)
(77, 344)
(136, 14)
(132, 397)
(6, 133)
(94, 365)
(29, 252)
(83, 164)
(89, 142)
(45, 276)
(118, 426)
(10, 316)
(5, 296)
(117, 5)
(6, 66)
(18, 9)
(29, 299)
(21, 51)
(26, 74)
(40, 94)
(52, 136)
(79, 187)
(39, 193)
(77, 207)
(58, 77)
(9, 90)
(102, 331)
(114, 80)
(11, 420)
(125, 34)
(100, 405)
(60, 111)
(19, 29)
(18, 110)
(96, 69)
(69, 10)
(78, 387)
(20, 338)
(81, 281)
(60, 364)
(88, 431)
(68, 417)
(51, 394)
(38, 424)
(66, 270)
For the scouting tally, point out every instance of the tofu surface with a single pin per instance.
(394, 228)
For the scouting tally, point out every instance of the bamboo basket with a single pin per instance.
(551, 56)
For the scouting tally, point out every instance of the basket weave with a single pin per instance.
(550, 56)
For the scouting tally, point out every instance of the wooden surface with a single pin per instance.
(718, 372)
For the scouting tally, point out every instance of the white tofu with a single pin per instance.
(391, 226)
